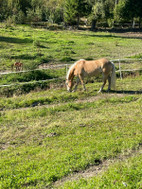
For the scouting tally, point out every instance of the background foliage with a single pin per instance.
(69, 12)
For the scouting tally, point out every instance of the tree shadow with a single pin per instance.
(15, 40)
(116, 31)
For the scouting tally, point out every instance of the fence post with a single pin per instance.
(66, 68)
(120, 69)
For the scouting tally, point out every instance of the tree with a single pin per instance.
(3, 10)
(102, 11)
(73, 10)
(54, 10)
(129, 10)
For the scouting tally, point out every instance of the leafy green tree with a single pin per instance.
(102, 11)
(70, 12)
(73, 10)
(54, 10)
(97, 13)
(128, 10)
(15, 9)
(3, 10)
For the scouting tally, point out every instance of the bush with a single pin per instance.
(34, 15)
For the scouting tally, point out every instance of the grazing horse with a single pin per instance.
(18, 66)
(83, 68)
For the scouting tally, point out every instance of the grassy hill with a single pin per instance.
(55, 139)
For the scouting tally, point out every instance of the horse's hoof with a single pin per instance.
(108, 91)
(100, 91)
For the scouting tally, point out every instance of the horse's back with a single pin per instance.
(96, 65)
(92, 67)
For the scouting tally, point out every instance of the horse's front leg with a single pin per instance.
(82, 82)
(77, 82)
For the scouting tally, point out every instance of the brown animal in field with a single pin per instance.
(83, 68)
(18, 66)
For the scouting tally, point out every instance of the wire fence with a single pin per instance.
(120, 62)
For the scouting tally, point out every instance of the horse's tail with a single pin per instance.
(113, 76)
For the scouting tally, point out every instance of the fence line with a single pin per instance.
(61, 66)
(24, 71)
(129, 70)
(66, 66)
(30, 82)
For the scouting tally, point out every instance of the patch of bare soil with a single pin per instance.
(100, 96)
(51, 66)
(98, 169)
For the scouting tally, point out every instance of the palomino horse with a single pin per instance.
(18, 66)
(83, 68)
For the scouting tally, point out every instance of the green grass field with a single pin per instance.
(52, 138)
(36, 46)
(43, 144)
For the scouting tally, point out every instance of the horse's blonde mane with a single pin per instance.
(71, 67)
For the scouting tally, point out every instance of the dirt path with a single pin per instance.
(98, 169)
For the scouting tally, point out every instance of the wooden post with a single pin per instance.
(66, 69)
(120, 69)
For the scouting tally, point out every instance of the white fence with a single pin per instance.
(120, 62)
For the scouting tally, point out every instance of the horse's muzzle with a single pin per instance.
(69, 90)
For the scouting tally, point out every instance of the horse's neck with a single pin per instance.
(71, 74)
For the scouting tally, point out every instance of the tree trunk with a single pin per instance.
(78, 20)
(140, 19)
(116, 2)
(93, 26)
(133, 23)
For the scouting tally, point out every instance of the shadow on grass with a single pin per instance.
(24, 57)
(15, 40)
(127, 92)
(112, 32)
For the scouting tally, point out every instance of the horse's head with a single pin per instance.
(69, 84)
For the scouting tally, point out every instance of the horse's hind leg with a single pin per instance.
(101, 89)
(109, 83)
(104, 82)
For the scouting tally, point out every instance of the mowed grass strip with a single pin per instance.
(40, 146)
